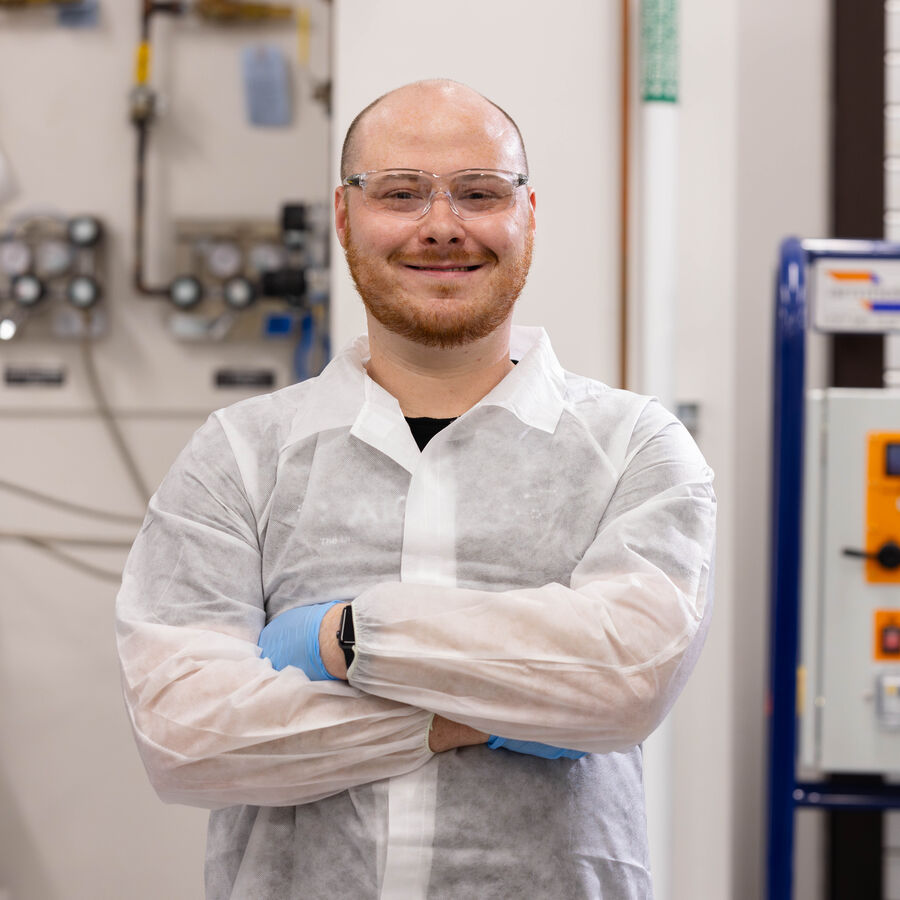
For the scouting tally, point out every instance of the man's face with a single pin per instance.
(440, 280)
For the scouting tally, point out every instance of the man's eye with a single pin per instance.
(401, 194)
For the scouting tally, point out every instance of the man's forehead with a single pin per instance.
(434, 121)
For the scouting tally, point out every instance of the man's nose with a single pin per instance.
(441, 224)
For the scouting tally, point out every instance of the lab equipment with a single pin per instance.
(849, 596)
(235, 274)
(833, 671)
(224, 268)
(292, 639)
(52, 270)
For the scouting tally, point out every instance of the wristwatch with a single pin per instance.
(346, 636)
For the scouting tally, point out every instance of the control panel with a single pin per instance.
(850, 616)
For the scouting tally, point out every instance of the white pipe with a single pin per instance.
(657, 318)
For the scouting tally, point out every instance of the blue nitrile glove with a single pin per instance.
(292, 639)
(533, 748)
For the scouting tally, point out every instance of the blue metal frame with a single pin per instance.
(785, 792)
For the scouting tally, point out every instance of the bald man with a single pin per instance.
(404, 626)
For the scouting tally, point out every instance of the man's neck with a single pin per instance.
(434, 382)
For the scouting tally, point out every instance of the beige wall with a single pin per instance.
(78, 819)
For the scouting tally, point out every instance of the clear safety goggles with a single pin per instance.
(409, 193)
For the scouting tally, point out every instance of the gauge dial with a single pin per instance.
(224, 259)
(15, 257)
(268, 257)
(54, 257)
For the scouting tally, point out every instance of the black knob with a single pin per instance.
(84, 231)
(289, 284)
(293, 217)
(888, 555)
(27, 290)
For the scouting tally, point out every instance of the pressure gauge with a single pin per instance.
(224, 259)
(84, 231)
(27, 290)
(267, 257)
(15, 257)
(54, 257)
(185, 291)
(82, 291)
(239, 292)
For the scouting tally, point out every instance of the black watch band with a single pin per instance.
(346, 636)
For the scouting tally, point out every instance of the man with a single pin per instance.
(529, 575)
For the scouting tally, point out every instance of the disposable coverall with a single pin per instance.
(540, 571)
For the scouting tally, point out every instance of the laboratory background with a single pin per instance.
(166, 249)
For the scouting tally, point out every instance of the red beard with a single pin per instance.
(451, 316)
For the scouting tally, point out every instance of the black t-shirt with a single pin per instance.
(424, 429)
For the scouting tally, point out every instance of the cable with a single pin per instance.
(41, 544)
(49, 500)
(110, 421)
(76, 541)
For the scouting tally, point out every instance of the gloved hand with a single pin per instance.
(533, 748)
(292, 639)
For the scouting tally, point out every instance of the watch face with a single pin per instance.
(346, 636)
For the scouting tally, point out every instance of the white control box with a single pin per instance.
(849, 670)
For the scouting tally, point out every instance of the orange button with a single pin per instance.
(887, 635)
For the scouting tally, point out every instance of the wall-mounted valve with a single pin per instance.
(27, 290)
(234, 275)
(51, 276)
(83, 291)
(186, 292)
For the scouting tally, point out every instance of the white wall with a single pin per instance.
(705, 719)
(556, 73)
(783, 137)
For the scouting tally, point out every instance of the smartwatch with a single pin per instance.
(346, 637)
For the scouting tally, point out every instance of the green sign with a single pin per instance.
(659, 51)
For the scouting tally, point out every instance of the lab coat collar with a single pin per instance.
(535, 390)
(344, 396)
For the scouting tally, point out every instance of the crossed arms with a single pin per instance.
(593, 665)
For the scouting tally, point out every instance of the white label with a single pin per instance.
(855, 295)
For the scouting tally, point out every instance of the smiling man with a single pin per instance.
(405, 625)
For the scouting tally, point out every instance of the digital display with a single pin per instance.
(892, 459)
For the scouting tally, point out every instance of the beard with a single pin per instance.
(451, 316)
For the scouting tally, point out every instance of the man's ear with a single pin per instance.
(340, 215)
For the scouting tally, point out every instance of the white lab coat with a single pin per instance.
(540, 571)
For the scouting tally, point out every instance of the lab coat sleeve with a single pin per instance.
(215, 724)
(594, 665)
